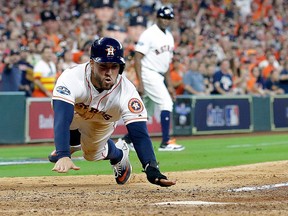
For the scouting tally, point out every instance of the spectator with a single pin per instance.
(35, 52)
(240, 76)
(44, 74)
(208, 76)
(104, 10)
(11, 76)
(283, 79)
(255, 83)
(193, 80)
(137, 24)
(269, 65)
(51, 26)
(116, 31)
(176, 73)
(65, 60)
(27, 80)
(272, 85)
(222, 79)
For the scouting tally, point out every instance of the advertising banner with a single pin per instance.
(222, 115)
(153, 125)
(182, 116)
(279, 113)
(39, 120)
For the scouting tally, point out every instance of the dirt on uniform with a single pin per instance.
(204, 192)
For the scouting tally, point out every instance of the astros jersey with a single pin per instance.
(74, 86)
(157, 47)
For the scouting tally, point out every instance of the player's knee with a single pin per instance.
(89, 157)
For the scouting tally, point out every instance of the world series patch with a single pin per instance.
(63, 90)
(135, 105)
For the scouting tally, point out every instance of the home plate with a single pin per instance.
(191, 203)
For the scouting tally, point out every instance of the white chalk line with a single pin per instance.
(258, 144)
(5, 163)
(191, 203)
(263, 187)
(28, 161)
(242, 189)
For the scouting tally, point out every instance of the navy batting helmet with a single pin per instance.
(108, 50)
(165, 12)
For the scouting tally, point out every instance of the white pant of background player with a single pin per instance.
(156, 94)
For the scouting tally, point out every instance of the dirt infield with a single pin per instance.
(205, 192)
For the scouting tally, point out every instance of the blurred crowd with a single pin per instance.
(230, 47)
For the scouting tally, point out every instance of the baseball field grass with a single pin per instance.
(200, 153)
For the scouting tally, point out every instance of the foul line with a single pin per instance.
(258, 144)
(263, 187)
(28, 161)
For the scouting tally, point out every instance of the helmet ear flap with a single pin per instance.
(122, 67)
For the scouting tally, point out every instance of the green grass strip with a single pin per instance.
(199, 154)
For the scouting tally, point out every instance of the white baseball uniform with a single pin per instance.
(157, 48)
(96, 114)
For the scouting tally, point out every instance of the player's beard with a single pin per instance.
(104, 83)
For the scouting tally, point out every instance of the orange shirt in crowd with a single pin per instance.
(77, 56)
(250, 83)
(176, 78)
(267, 70)
(55, 39)
(215, 10)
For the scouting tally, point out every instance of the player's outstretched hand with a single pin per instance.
(154, 176)
(64, 164)
(165, 182)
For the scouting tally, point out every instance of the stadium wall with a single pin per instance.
(12, 123)
(30, 120)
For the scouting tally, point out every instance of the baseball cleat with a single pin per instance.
(129, 144)
(171, 146)
(54, 158)
(122, 169)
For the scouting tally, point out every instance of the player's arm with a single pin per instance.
(170, 85)
(63, 115)
(138, 134)
(137, 58)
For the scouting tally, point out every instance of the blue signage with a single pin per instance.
(182, 116)
(218, 114)
(280, 112)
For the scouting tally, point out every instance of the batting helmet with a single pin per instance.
(165, 12)
(108, 50)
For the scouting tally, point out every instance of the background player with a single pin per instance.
(88, 100)
(153, 55)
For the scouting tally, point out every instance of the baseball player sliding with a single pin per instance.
(88, 100)
(153, 55)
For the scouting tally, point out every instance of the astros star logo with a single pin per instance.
(135, 105)
(110, 51)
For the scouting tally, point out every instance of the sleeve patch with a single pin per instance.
(63, 90)
(135, 105)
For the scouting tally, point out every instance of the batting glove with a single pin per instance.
(154, 175)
